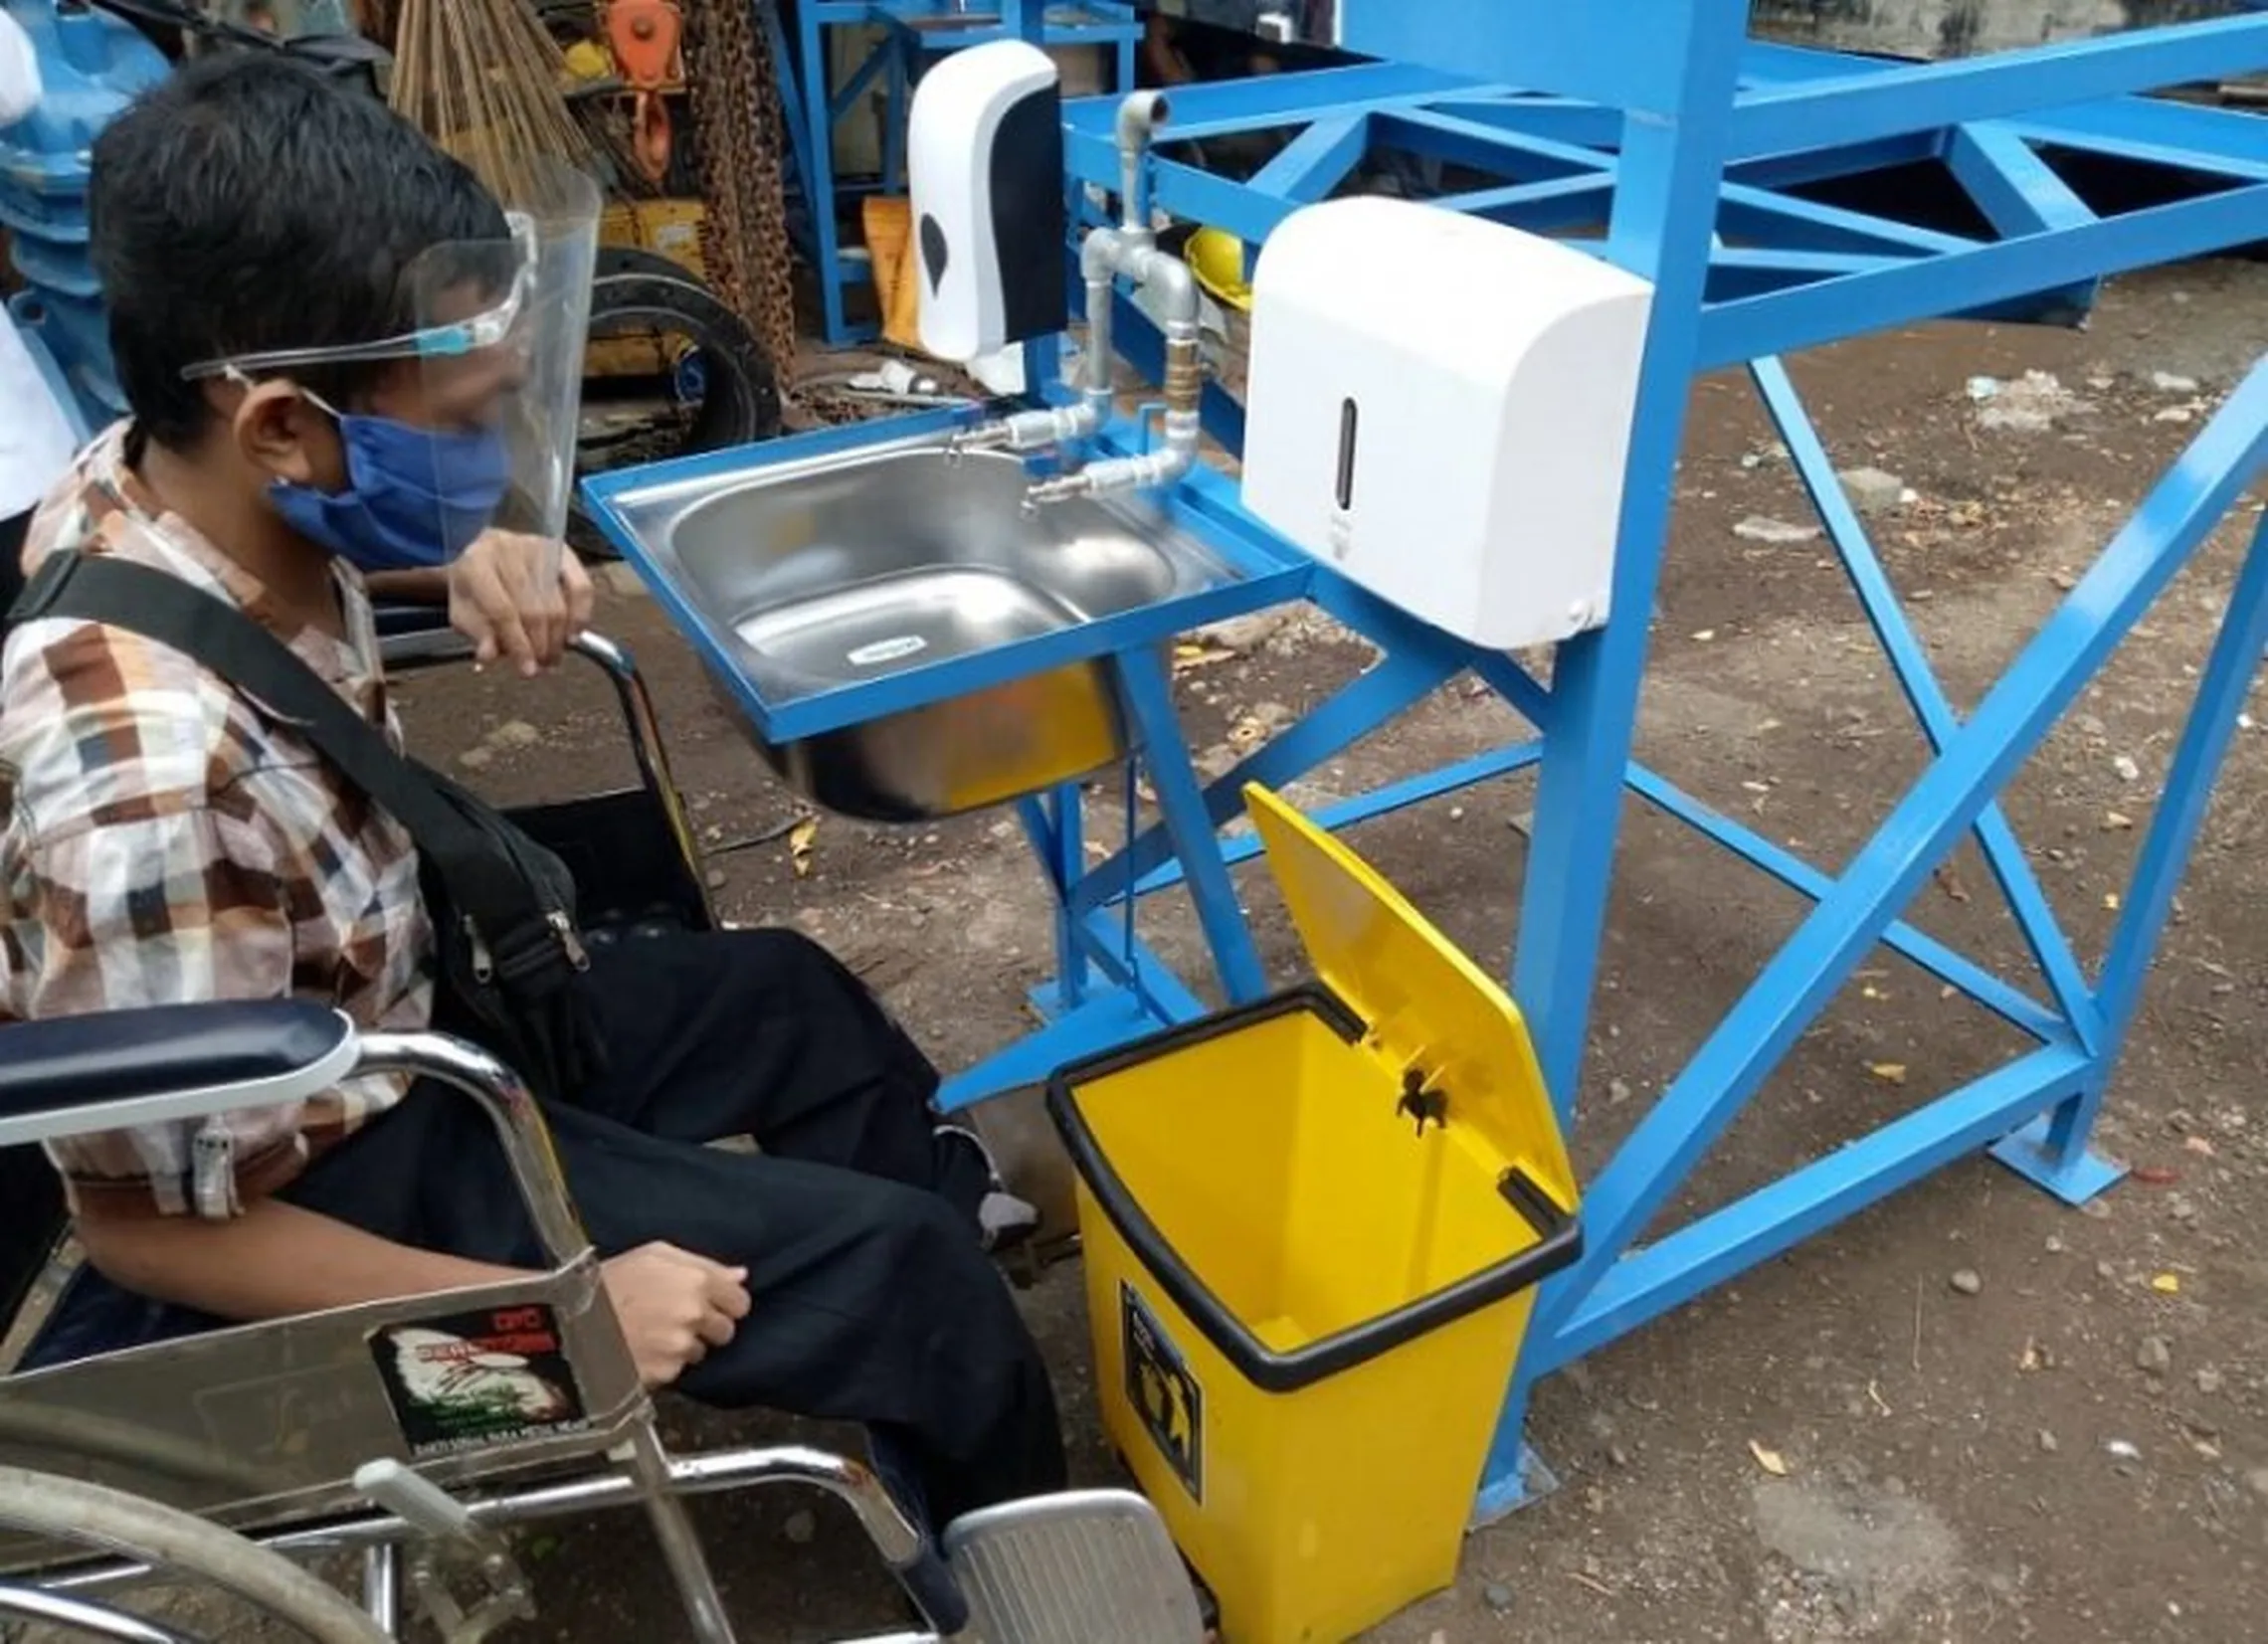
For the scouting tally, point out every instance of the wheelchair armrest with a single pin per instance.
(411, 636)
(123, 1069)
(398, 619)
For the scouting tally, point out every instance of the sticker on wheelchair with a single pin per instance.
(469, 1380)
(1167, 1398)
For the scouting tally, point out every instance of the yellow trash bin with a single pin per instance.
(1313, 1231)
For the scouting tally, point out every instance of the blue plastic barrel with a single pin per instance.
(90, 66)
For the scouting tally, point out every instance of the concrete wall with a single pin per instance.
(1954, 28)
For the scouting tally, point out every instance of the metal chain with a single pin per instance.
(740, 131)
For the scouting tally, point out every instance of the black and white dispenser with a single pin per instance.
(985, 159)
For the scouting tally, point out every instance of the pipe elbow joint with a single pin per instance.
(1139, 117)
(1174, 284)
(1098, 257)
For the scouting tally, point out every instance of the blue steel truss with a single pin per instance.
(913, 34)
(1657, 134)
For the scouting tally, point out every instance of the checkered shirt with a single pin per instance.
(169, 840)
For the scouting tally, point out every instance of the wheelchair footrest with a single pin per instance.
(1095, 1565)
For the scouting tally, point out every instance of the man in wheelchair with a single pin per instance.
(169, 838)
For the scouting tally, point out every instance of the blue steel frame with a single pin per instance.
(915, 32)
(1655, 133)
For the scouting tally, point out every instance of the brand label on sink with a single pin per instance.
(887, 651)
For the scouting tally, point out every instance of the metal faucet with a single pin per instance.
(1129, 251)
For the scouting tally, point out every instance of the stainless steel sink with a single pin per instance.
(845, 569)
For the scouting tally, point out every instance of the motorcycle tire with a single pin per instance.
(740, 398)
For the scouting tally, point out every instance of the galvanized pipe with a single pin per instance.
(1129, 251)
(1139, 117)
(1139, 259)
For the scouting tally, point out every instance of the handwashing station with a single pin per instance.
(930, 615)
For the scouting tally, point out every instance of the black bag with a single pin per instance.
(502, 906)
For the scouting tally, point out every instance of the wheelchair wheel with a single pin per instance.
(179, 1548)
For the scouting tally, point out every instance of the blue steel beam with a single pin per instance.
(2032, 267)
(2149, 129)
(2060, 1154)
(1776, 1218)
(1417, 661)
(1513, 155)
(1663, 226)
(1509, 760)
(2188, 788)
(1663, 221)
(2018, 192)
(2010, 183)
(1744, 211)
(1316, 161)
(1747, 209)
(1874, 102)
(1973, 766)
(2012, 1005)
(1376, 698)
(1540, 207)
(1472, 121)
(1053, 829)
(2212, 141)
(1618, 55)
(1831, 311)
(1230, 107)
(1557, 119)
(1148, 692)
(1909, 662)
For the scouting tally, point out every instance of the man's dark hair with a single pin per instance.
(248, 204)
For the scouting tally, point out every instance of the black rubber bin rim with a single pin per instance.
(1559, 1234)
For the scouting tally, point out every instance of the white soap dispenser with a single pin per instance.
(984, 164)
(1441, 407)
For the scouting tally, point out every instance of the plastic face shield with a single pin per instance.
(514, 319)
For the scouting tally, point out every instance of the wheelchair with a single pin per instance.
(395, 1447)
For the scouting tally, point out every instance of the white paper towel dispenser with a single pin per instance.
(985, 169)
(1440, 407)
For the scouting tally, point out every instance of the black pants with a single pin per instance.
(874, 1301)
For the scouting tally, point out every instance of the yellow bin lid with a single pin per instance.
(1428, 1007)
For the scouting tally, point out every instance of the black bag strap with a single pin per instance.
(98, 587)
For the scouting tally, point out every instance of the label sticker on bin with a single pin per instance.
(1167, 1397)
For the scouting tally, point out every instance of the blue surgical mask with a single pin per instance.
(415, 497)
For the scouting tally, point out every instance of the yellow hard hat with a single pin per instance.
(1217, 258)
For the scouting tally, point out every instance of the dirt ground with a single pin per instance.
(1998, 1418)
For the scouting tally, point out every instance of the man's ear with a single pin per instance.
(280, 433)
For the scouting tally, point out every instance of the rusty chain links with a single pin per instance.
(740, 132)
